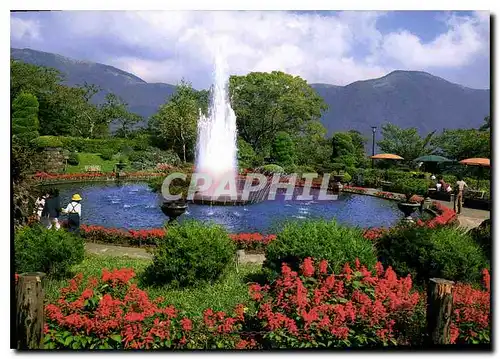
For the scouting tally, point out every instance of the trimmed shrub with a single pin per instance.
(318, 239)
(73, 159)
(107, 154)
(38, 249)
(411, 187)
(425, 253)
(192, 253)
(150, 158)
(48, 141)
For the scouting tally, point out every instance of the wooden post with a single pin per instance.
(439, 309)
(29, 311)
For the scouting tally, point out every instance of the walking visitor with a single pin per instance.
(459, 197)
(52, 210)
(74, 212)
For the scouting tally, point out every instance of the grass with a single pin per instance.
(91, 159)
(223, 295)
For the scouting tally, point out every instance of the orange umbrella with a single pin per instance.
(386, 156)
(483, 162)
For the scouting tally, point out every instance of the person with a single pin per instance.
(51, 210)
(39, 205)
(459, 198)
(74, 212)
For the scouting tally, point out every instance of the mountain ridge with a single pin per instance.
(405, 98)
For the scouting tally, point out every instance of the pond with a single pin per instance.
(135, 206)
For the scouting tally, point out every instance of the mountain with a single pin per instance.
(405, 98)
(143, 98)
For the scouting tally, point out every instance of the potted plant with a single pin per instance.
(410, 188)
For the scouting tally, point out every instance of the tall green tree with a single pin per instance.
(25, 117)
(175, 124)
(464, 143)
(115, 110)
(283, 150)
(312, 147)
(266, 103)
(406, 143)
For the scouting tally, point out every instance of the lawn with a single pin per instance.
(90, 159)
(223, 295)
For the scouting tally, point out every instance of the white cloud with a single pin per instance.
(459, 46)
(24, 29)
(167, 46)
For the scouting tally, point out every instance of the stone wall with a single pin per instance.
(52, 160)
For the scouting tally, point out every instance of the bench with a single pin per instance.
(93, 168)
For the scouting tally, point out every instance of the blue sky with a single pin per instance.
(321, 46)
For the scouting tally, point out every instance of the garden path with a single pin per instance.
(141, 253)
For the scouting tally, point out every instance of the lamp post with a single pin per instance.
(374, 128)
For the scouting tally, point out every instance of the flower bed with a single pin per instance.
(113, 313)
(48, 177)
(150, 237)
(352, 189)
(307, 309)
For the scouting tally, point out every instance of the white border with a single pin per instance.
(185, 5)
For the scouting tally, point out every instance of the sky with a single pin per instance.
(321, 46)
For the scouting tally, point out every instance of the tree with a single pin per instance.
(25, 117)
(23, 196)
(266, 103)
(343, 150)
(115, 110)
(406, 143)
(176, 121)
(283, 150)
(464, 143)
(487, 124)
(312, 147)
(246, 154)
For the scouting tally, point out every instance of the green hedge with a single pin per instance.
(445, 252)
(38, 249)
(90, 145)
(318, 239)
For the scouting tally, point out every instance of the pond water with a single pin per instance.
(135, 206)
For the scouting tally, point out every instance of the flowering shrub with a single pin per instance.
(252, 240)
(471, 321)
(113, 313)
(445, 216)
(359, 190)
(313, 308)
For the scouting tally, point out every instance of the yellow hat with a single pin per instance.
(76, 197)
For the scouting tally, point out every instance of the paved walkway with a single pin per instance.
(141, 253)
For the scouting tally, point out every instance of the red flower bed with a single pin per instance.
(132, 237)
(352, 189)
(471, 323)
(374, 233)
(252, 241)
(113, 313)
(121, 236)
(312, 308)
(43, 176)
(317, 309)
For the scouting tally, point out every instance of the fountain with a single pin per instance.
(216, 149)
